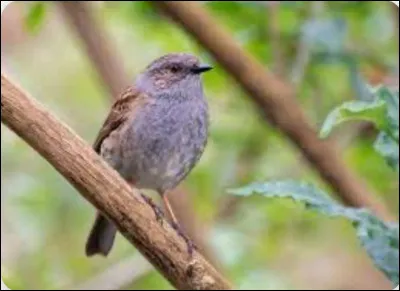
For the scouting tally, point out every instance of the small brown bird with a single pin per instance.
(154, 135)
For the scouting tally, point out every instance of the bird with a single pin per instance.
(154, 135)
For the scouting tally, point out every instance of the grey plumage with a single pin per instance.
(155, 133)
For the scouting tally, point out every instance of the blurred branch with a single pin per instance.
(105, 189)
(273, 28)
(275, 100)
(303, 55)
(300, 64)
(119, 275)
(97, 46)
(114, 77)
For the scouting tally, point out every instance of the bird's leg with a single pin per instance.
(175, 225)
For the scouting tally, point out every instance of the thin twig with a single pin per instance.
(274, 39)
(98, 47)
(303, 55)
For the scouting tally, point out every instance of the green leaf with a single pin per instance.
(392, 114)
(383, 112)
(35, 16)
(389, 149)
(380, 239)
(387, 142)
(286, 189)
(355, 110)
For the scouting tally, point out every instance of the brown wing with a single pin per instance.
(120, 112)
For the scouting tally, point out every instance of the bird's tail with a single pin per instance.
(101, 237)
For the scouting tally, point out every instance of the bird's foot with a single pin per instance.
(157, 210)
(190, 244)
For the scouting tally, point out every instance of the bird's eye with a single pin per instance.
(174, 68)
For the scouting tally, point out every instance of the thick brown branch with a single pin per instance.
(276, 101)
(106, 190)
(97, 46)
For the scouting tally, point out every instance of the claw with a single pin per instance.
(190, 244)
(157, 210)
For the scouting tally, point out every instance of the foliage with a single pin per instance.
(383, 111)
(380, 239)
(36, 13)
(355, 110)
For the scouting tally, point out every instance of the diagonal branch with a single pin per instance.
(97, 45)
(275, 99)
(105, 189)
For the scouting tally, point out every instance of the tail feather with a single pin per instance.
(101, 237)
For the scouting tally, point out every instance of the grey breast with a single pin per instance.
(163, 142)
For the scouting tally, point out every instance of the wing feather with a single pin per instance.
(120, 112)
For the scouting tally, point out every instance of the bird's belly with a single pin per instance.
(163, 166)
(163, 174)
(162, 153)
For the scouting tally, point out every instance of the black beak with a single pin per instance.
(201, 68)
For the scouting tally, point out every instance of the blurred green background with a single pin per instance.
(329, 50)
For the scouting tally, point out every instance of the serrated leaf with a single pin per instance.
(392, 115)
(285, 189)
(355, 110)
(313, 197)
(387, 142)
(389, 149)
(35, 16)
(380, 239)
